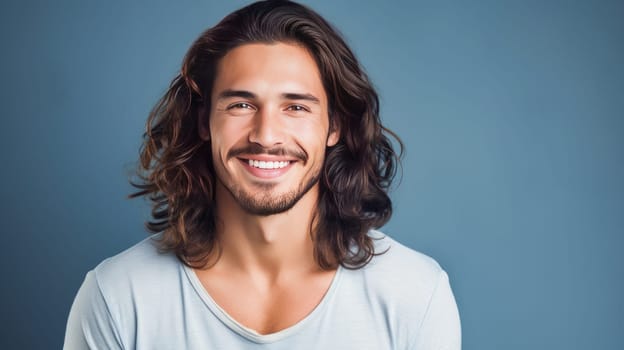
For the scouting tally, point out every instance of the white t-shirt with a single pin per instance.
(143, 299)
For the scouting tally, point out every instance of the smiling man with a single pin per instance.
(268, 169)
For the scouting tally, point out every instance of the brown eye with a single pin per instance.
(242, 105)
(297, 108)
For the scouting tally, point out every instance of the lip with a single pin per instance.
(266, 173)
(266, 158)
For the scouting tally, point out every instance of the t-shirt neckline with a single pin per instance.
(249, 333)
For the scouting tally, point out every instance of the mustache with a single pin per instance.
(255, 149)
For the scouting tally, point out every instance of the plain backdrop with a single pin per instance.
(513, 179)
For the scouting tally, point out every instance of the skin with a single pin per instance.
(267, 99)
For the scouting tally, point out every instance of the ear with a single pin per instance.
(203, 123)
(334, 135)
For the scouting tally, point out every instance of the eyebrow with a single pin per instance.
(236, 93)
(250, 95)
(304, 97)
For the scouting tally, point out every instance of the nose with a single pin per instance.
(267, 129)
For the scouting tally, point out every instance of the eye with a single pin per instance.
(297, 108)
(240, 105)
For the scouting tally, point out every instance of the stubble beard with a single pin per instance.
(264, 203)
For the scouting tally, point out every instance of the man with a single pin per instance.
(268, 168)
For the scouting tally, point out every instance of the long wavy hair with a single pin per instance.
(176, 174)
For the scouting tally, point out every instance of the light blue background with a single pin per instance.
(511, 111)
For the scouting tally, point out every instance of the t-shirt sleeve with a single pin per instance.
(90, 325)
(440, 328)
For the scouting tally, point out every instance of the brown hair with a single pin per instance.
(176, 171)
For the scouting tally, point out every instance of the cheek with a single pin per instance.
(225, 134)
(312, 135)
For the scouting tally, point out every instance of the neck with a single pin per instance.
(274, 246)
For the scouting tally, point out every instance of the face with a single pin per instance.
(268, 126)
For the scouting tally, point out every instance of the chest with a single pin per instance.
(343, 327)
(345, 317)
(267, 309)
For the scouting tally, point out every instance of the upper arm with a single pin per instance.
(440, 328)
(90, 324)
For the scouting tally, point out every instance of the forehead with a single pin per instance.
(269, 68)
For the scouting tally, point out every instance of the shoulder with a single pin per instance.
(398, 275)
(410, 291)
(137, 277)
(415, 291)
(398, 263)
(106, 309)
(142, 262)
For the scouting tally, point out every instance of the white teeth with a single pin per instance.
(267, 165)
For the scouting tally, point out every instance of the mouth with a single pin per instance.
(265, 167)
(262, 164)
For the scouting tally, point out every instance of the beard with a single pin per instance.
(264, 202)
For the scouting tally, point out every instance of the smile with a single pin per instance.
(267, 169)
(261, 164)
